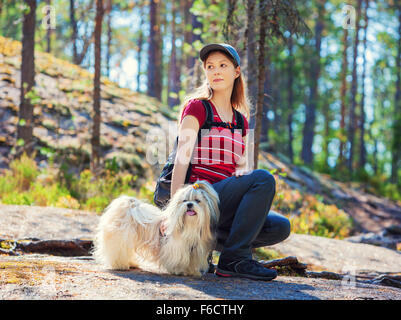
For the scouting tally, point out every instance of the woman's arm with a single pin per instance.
(242, 166)
(187, 135)
(242, 162)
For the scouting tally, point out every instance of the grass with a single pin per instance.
(26, 184)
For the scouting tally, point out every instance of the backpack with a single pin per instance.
(163, 184)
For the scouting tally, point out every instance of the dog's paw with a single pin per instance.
(119, 267)
(198, 274)
(192, 273)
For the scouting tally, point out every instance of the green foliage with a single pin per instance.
(322, 220)
(266, 254)
(25, 184)
(23, 171)
(33, 96)
(379, 185)
(94, 193)
(309, 215)
(112, 165)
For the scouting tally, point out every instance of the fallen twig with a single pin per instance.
(76, 247)
(325, 275)
(386, 280)
(286, 266)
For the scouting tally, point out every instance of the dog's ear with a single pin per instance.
(212, 195)
(206, 186)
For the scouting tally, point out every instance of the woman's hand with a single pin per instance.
(240, 172)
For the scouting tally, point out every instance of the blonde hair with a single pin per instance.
(239, 98)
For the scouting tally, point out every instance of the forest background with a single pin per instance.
(324, 82)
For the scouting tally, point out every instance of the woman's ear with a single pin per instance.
(237, 72)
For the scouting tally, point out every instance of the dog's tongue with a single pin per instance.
(190, 212)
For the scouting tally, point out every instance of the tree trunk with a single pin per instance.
(343, 96)
(174, 73)
(154, 53)
(185, 6)
(362, 147)
(261, 77)
(140, 46)
(25, 123)
(290, 97)
(326, 135)
(266, 101)
(109, 36)
(310, 117)
(49, 28)
(214, 22)
(252, 68)
(192, 61)
(276, 106)
(187, 59)
(354, 91)
(96, 152)
(396, 144)
(79, 57)
(74, 34)
(229, 27)
(193, 71)
(375, 146)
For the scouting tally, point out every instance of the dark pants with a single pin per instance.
(245, 220)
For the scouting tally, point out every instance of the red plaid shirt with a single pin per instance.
(216, 154)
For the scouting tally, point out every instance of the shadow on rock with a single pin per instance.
(222, 288)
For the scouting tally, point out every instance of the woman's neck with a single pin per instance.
(222, 102)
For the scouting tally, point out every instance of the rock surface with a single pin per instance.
(340, 255)
(19, 222)
(49, 277)
(38, 276)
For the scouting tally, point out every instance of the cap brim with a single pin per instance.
(212, 47)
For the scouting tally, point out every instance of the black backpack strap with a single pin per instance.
(208, 119)
(209, 123)
(239, 119)
(209, 115)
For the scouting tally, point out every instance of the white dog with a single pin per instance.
(129, 231)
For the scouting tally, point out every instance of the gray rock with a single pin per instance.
(50, 277)
(377, 240)
(340, 256)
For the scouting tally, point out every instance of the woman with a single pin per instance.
(245, 195)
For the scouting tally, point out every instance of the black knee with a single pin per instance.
(278, 230)
(285, 229)
(266, 178)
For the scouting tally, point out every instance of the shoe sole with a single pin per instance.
(229, 274)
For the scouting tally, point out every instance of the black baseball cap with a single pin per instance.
(219, 47)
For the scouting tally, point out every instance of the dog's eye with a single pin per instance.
(197, 200)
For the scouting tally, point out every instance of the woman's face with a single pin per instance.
(220, 71)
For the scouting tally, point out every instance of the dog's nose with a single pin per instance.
(190, 205)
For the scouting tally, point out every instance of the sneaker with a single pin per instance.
(248, 268)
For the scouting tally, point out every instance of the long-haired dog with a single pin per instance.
(129, 232)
